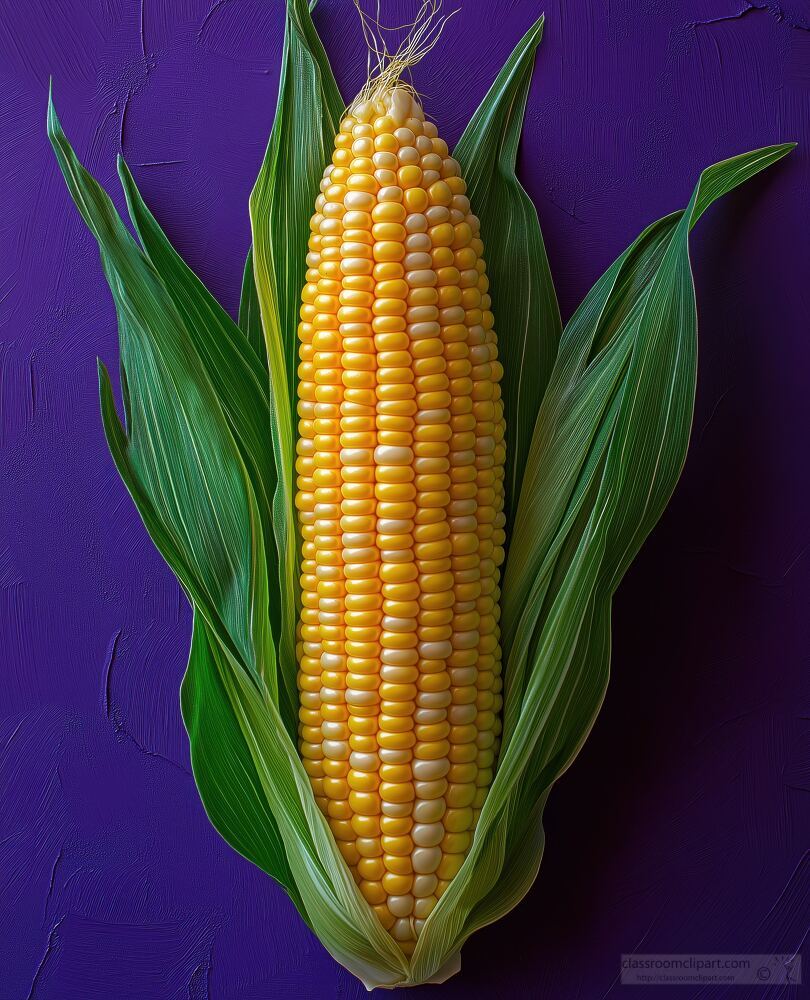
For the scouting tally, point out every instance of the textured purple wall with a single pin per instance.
(680, 828)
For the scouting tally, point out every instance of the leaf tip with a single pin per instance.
(51, 119)
(124, 173)
(780, 150)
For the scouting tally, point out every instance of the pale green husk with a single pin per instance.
(598, 420)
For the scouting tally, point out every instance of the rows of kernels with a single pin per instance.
(451, 236)
(403, 795)
(331, 569)
(354, 509)
(309, 645)
(359, 511)
(429, 284)
(319, 583)
(431, 544)
(490, 453)
(395, 495)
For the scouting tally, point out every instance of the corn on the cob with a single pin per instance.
(400, 500)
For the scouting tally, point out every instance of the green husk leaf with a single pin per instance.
(183, 471)
(237, 377)
(250, 318)
(307, 119)
(219, 755)
(524, 302)
(180, 446)
(221, 761)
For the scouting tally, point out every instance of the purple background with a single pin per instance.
(681, 826)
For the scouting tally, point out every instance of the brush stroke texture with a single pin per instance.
(107, 861)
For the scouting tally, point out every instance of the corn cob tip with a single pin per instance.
(384, 85)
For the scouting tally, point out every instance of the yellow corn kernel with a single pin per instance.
(397, 885)
(372, 870)
(386, 917)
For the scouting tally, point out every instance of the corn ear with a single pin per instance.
(400, 492)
